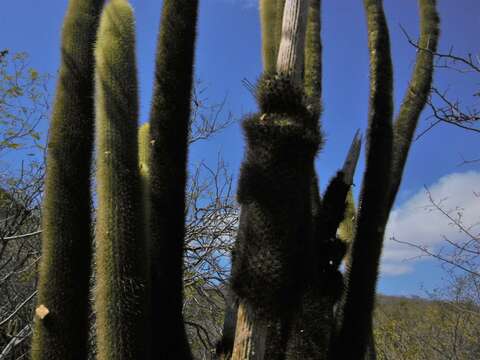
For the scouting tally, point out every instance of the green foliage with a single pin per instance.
(22, 98)
(121, 271)
(66, 241)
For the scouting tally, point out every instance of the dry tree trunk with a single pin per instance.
(250, 334)
(292, 44)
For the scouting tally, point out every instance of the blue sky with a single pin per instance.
(228, 50)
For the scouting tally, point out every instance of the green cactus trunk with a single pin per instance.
(268, 17)
(120, 291)
(387, 151)
(61, 323)
(313, 54)
(416, 94)
(169, 130)
(357, 311)
(270, 261)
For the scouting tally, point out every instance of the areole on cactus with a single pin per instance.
(288, 295)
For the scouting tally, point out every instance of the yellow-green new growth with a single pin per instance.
(144, 145)
(144, 151)
(120, 293)
(346, 230)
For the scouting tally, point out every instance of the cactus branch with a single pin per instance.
(169, 130)
(268, 19)
(64, 272)
(356, 312)
(417, 92)
(313, 54)
(120, 291)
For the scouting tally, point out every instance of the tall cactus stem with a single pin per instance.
(313, 54)
(417, 92)
(169, 130)
(61, 323)
(356, 312)
(120, 292)
(268, 20)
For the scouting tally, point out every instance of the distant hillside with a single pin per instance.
(416, 328)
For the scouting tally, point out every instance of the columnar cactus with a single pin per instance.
(121, 271)
(375, 189)
(285, 267)
(169, 131)
(383, 172)
(352, 336)
(61, 321)
(122, 286)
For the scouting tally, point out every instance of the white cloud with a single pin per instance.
(244, 3)
(417, 221)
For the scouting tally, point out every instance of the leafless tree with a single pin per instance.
(460, 258)
(24, 104)
(445, 107)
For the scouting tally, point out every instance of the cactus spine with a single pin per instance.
(169, 129)
(120, 294)
(61, 323)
